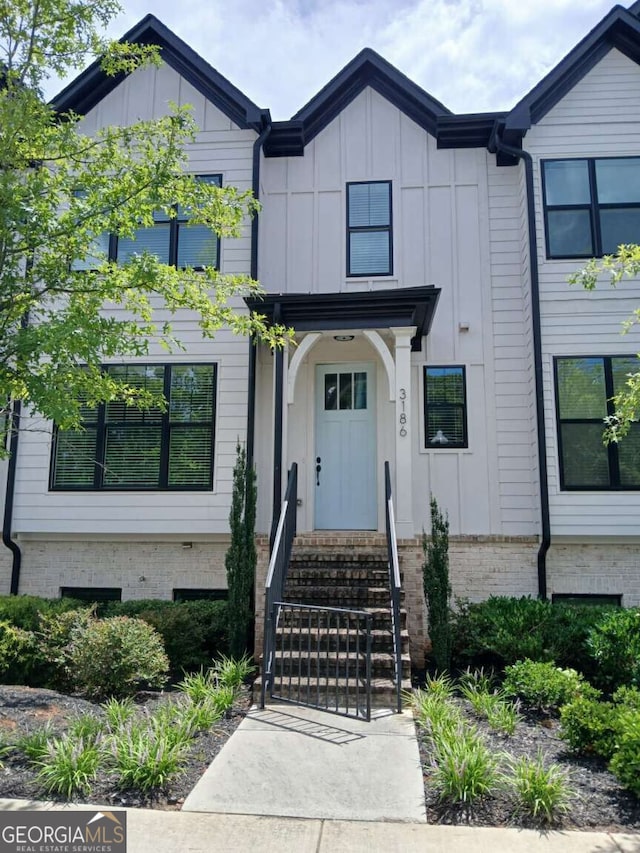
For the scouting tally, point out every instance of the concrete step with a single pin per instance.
(352, 597)
(330, 574)
(319, 620)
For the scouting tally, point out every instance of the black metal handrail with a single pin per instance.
(277, 575)
(394, 584)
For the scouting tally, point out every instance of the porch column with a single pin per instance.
(403, 491)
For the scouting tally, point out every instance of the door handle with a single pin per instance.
(318, 469)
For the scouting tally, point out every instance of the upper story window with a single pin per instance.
(584, 388)
(171, 239)
(591, 206)
(369, 228)
(122, 447)
(445, 403)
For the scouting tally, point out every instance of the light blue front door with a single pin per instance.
(344, 466)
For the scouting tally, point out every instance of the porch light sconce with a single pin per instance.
(463, 326)
(186, 545)
(343, 338)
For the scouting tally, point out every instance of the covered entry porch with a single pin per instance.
(339, 403)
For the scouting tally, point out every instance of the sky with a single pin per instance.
(472, 55)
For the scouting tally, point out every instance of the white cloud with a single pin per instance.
(473, 55)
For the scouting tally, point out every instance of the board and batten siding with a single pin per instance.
(219, 147)
(599, 117)
(442, 235)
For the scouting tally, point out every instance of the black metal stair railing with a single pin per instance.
(276, 577)
(394, 584)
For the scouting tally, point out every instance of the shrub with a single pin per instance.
(55, 635)
(501, 630)
(437, 588)
(69, 766)
(193, 632)
(25, 611)
(116, 657)
(628, 697)
(545, 687)
(626, 761)
(240, 560)
(590, 727)
(20, 655)
(542, 792)
(614, 644)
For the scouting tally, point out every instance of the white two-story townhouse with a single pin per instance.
(422, 258)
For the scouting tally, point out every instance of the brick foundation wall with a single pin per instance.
(165, 566)
(608, 569)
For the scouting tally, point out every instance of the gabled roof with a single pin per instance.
(620, 28)
(368, 68)
(92, 85)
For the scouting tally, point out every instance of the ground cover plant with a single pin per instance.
(527, 772)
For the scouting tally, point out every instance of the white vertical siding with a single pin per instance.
(441, 236)
(600, 117)
(220, 147)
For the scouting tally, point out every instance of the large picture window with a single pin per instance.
(584, 388)
(591, 206)
(171, 239)
(445, 402)
(369, 228)
(122, 447)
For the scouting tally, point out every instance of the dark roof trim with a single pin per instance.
(285, 140)
(92, 85)
(466, 131)
(368, 68)
(619, 29)
(370, 309)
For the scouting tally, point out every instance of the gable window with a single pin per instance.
(121, 447)
(584, 388)
(445, 403)
(369, 228)
(591, 206)
(171, 239)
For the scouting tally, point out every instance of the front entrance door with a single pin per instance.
(345, 461)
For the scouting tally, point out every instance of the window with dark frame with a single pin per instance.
(591, 206)
(579, 599)
(584, 390)
(200, 594)
(445, 404)
(171, 239)
(121, 447)
(369, 249)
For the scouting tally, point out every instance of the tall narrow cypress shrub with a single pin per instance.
(437, 588)
(240, 560)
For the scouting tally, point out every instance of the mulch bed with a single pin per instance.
(600, 802)
(25, 709)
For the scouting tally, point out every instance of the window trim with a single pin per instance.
(612, 447)
(174, 225)
(449, 446)
(101, 425)
(363, 228)
(593, 207)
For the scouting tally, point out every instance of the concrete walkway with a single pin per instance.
(180, 832)
(289, 761)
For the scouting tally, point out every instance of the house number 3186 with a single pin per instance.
(403, 415)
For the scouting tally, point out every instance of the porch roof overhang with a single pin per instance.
(369, 309)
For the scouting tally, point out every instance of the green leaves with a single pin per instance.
(65, 306)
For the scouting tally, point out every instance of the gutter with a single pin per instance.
(253, 348)
(496, 144)
(7, 541)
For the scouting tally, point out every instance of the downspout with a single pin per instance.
(7, 541)
(253, 348)
(496, 144)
